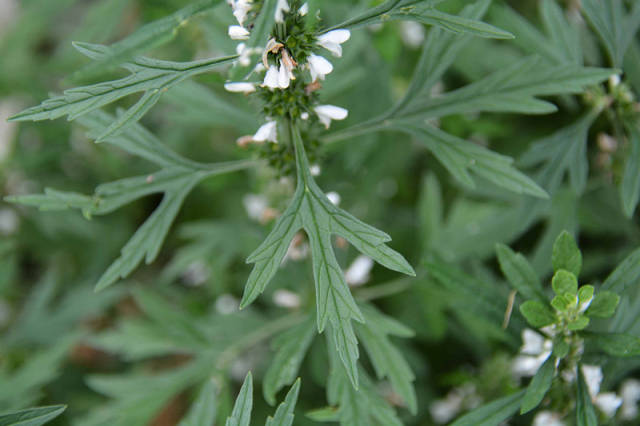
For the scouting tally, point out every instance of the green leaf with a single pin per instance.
(564, 282)
(566, 254)
(461, 157)
(284, 413)
(356, 407)
(630, 185)
(585, 293)
(615, 344)
(603, 305)
(137, 398)
(241, 414)
(513, 90)
(626, 274)
(424, 12)
(387, 360)
(537, 313)
(539, 386)
(493, 413)
(561, 43)
(31, 416)
(520, 273)
(145, 38)
(439, 51)
(292, 347)
(579, 323)
(151, 76)
(312, 211)
(585, 412)
(203, 409)
(563, 152)
(613, 24)
(456, 24)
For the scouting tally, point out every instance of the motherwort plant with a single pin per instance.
(270, 83)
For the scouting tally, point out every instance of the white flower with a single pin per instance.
(271, 78)
(534, 352)
(319, 67)
(315, 169)
(240, 9)
(607, 402)
(334, 197)
(226, 304)
(333, 39)
(630, 393)
(240, 87)
(358, 272)
(412, 33)
(281, 7)
(196, 274)
(286, 299)
(255, 205)
(547, 418)
(284, 76)
(237, 32)
(458, 399)
(304, 9)
(9, 221)
(326, 113)
(267, 132)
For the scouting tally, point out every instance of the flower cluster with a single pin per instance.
(291, 71)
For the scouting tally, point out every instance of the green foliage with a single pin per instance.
(539, 386)
(241, 415)
(311, 210)
(483, 138)
(32, 416)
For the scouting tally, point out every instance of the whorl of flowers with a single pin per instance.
(291, 70)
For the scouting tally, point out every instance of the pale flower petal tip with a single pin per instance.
(240, 87)
(319, 67)
(271, 78)
(286, 299)
(304, 9)
(281, 7)
(327, 113)
(267, 132)
(358, 272)
(333, 39)
(236, 32)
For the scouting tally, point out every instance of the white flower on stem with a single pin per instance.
(547, 418)
(630, 393)
(286, 299)
(534, 352)
(304, 9)
(267, 132)
(319, 67)
(333, 39)
(358, 272)
(607, 402)
(241, 9)
(237, 32)
(326, 113)
(240, 87)
(271, 79)
(281, 7)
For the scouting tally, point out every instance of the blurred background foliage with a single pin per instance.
(145, 342)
